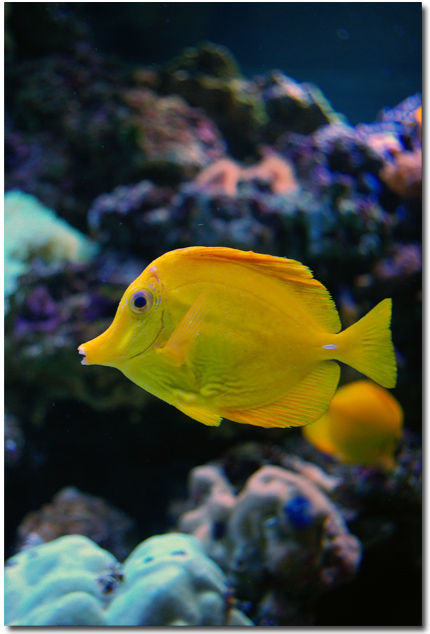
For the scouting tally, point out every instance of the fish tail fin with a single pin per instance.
(367, 346)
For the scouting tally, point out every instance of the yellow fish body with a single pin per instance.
(363, 425)
(222, 333)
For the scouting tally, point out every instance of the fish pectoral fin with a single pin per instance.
(305, 404)
(178, 345)
(173, 354)
(199, 413)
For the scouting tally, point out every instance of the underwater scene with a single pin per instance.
(213, 314)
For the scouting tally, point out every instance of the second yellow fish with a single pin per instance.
(363, 425)
(222, 333)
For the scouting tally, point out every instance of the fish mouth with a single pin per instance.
(82, 351)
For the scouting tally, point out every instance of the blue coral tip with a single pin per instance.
(299, 512)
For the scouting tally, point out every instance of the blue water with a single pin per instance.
(363, 55)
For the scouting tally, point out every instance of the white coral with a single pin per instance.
(32, 230)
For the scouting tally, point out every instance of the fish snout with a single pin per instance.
(99, 351)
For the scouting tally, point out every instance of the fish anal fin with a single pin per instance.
(199, 413)
(177, 346)
(305, 404)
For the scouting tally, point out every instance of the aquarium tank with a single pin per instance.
(212, 312)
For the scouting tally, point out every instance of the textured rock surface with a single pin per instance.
(72, 512)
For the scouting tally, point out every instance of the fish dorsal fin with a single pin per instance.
(186, 331)
(298, 277)
(282, 268)
(305, 404)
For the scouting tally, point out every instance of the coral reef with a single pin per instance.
(212, 498)
(58, 306)
(246, 111)
(34, 231)
(167, 580)
(57, 584)
(384, 510)
(378, 505)
(142, 160)
(404, 174)
(225, 175)
(70, 121)
(68, 112)
(352, 487)
(221, 207)
(172, 135)
(133, 218)
(74, 513)
(329, 209)
(396, 138)
(403, 262)
(293, 107)
(207, 76)
(281, 540)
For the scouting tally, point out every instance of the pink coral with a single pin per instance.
(275, 171)
(403, 174)
(224, 175)
(221, 177)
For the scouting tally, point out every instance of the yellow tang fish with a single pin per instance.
(222, 333)
(363, 425)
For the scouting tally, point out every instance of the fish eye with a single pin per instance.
(141, 302)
